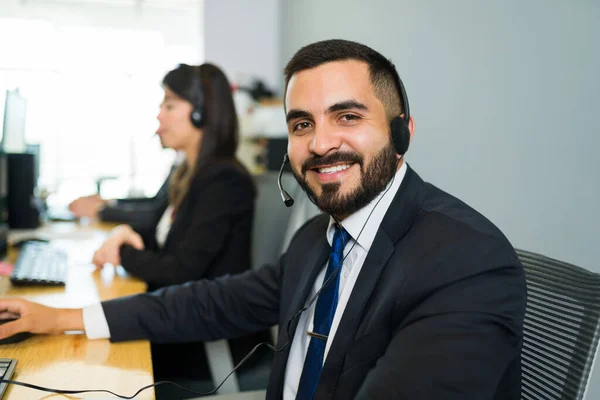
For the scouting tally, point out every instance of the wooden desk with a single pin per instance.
(71, 361)
(253, 395)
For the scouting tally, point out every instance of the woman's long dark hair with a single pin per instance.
(206, 87)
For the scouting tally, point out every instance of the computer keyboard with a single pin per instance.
(7, 369)
(40, 264)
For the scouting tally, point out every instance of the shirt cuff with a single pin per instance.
(94, 322)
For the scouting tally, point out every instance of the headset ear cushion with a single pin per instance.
(196, 117)
(400, 135)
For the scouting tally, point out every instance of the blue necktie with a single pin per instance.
(324, 312)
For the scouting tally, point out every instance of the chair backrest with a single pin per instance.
(302, 210)
(274, 223)
(561, 328)
(270, 220)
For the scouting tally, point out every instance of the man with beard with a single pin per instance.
(398, 291)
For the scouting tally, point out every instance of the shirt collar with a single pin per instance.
(366, 221)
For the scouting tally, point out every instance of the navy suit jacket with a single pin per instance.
(436, 313)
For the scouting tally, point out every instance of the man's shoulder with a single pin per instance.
(449, 241)
(449, 210)
(447, 228)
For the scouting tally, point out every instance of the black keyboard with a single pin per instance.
(40, 264)
(7, 369)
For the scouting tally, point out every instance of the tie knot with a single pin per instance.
(340, 239)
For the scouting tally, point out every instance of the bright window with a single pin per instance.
(93, 90)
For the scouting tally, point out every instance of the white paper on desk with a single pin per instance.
(18, 235)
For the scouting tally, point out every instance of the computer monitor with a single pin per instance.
(13, 128)
(3, 188)
(35, 149)
(3, 204)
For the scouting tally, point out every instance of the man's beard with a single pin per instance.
(373, 180)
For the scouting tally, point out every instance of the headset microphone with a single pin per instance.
(285, 196)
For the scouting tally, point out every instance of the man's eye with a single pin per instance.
(301, 126)
(349, 117)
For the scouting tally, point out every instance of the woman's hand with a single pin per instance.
(87, 206)
(108, 253)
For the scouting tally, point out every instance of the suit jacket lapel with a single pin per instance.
(316, 262)
(396, 222)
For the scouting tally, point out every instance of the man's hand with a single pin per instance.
(109, 252)
(36, 318)
(87, 206)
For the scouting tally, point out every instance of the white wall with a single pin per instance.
(505, 98)
(172, 23)
(243, 38)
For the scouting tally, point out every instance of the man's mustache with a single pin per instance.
(329, 159)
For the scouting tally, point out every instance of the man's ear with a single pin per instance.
(411, 127)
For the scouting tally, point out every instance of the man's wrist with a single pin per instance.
(70, 319)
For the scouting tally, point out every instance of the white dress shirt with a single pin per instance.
(164, 226)
(367, 220)
(361, 225)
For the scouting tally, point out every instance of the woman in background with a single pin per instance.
(204, 229)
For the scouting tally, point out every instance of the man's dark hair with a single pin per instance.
(384, 77)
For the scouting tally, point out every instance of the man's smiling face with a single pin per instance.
(339, 136)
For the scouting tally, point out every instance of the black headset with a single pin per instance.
(196, 97)
(399, 125)
(399, 130)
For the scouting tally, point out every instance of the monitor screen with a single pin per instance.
(3, 188)
(13, 127)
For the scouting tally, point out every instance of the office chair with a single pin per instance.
(274, 225)
(561, 328)
(271, 217)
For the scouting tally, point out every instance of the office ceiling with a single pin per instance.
(150, 4)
